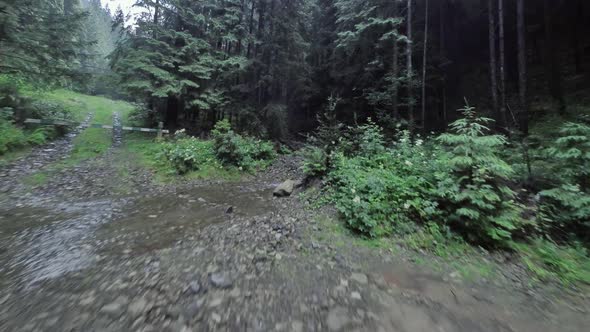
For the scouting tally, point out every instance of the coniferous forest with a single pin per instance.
(447, 127)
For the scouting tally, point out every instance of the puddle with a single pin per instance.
(39, 243)
(154, 223)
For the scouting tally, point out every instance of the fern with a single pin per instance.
(476, 193)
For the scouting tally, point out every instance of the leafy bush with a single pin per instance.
(189, 154)
(381, 190)
(41, 135)
(476, 193)
(547, 260)
(235, 150)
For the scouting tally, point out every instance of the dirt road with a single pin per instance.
(77, 253)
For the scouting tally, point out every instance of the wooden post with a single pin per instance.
(160, 127)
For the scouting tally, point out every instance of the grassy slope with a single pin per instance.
(91, 142)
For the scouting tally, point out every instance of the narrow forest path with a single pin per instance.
(91, 250)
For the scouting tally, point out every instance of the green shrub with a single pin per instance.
(189, 154)
(37, 137)
(315, 162)
(382, 190)
(566, 206)
(11, 137)
(244, 152)
(476, 193)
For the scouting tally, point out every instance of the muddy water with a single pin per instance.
(45, 242)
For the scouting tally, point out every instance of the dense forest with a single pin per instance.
(371, 88)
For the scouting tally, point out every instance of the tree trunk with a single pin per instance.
(156, 18)
(395, 69)
(502, 64)
(576, 36)
(522, 67)
(552, 70)
(424, 67)
(493, 64)
(251, 29)
(442, 30)
(409, 65)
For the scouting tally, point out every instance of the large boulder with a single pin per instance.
(284, 189)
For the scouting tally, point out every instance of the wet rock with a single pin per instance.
(216, 318)
(137, 307)
(337, 319)
(194, 287)
(215, 302)
(193, 309)
(220, 280)
(284, 189)
(360, 278)
(296, 326)
(229, 210)
(115, 308)
(173, 312)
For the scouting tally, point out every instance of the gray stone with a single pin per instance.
(115, 308)
(194, 287)
(360, 278)
(220, 280)
(284, 189)
(338, 318)
(137, 307)
(193, 309)
(296, 326)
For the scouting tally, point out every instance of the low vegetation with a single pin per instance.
(227, 155)
(18, 101)
(440, 191)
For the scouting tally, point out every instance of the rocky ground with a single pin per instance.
(91, 250)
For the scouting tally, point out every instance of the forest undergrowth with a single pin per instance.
(466, 188)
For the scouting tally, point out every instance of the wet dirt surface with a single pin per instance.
(77, 254)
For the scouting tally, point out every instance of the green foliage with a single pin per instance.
(235, 150)
(547, 260)
(189, 154)
(11, 137)
(315, 162)
(565, 207)
(40, 40)
(475, 192)
(41, 135)
(379, 190)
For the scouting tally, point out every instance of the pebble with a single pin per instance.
(360, 278)
(194, 287)
(115, 308)
(355, 296)
(193, 309)
(215, 302)
(220, 280)
(216, 318)
(337, 319)
(138, 307)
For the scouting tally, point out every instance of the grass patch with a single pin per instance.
(36, 179)
(92, 142)
(546, 260)
(147, 152)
